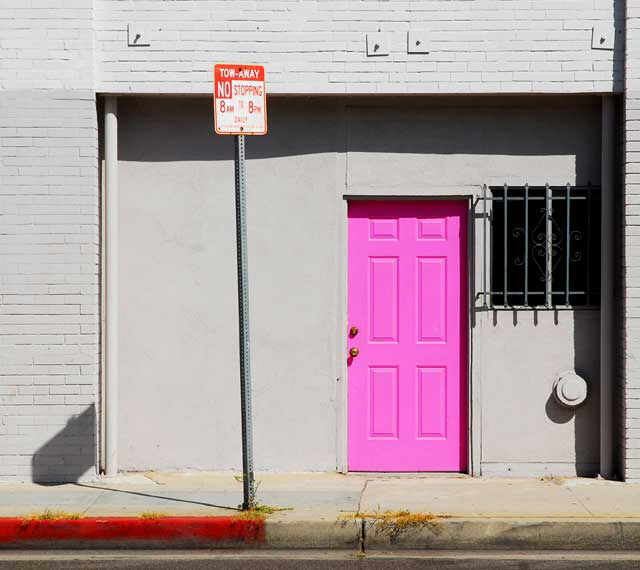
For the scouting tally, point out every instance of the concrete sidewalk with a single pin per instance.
(345, 511)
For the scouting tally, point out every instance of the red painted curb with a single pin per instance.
(169, 531)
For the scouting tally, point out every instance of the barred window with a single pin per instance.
(544, 244)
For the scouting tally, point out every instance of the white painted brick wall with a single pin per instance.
(318, 46)
(46, 44)
(49, 222)
(631, 263)
(49, 308)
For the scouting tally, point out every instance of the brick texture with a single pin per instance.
(49, 241)
(631, 265)
(477, 46)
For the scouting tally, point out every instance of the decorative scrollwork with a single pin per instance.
(518, 233)
(545, 237)
(543, 241)
(575, 255)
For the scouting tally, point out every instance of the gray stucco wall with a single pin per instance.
(524, 430)
(179, 379)
(179, 383)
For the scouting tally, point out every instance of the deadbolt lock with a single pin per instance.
(354, 352)
(353, 331)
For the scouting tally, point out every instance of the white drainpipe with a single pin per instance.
(111, 284)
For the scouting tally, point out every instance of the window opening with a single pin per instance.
(543, 246)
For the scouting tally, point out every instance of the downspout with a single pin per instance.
(111, 285)
(607, 301)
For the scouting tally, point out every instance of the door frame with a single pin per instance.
(342, 377)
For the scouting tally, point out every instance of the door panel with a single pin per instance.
(407, 294)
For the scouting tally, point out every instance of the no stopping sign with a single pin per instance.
(239, 99)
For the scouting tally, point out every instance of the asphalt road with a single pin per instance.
(317, 561)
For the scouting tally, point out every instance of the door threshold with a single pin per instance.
(412, 474)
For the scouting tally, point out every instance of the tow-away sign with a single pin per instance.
(239, 99)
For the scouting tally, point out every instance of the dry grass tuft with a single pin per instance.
(396, 522)
(49, 515)
(251, 515)
(260, 512)
(149, 515)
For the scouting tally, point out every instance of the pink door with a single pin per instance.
(407, 300)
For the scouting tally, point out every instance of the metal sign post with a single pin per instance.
(240, 107)
(243, 322)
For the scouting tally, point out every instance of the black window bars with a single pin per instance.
(541, 247)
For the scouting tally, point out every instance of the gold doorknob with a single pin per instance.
(353, 331)
(354, 351)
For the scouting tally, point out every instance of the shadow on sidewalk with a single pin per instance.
(70, 455)
(139, 494)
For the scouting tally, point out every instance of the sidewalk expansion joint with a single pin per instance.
(91, 504)
(149, 476)
(580, 502)
(364, 488)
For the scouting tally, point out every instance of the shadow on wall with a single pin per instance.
(586, 418)
(618, 44)
(182, 130)
(70, 454)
